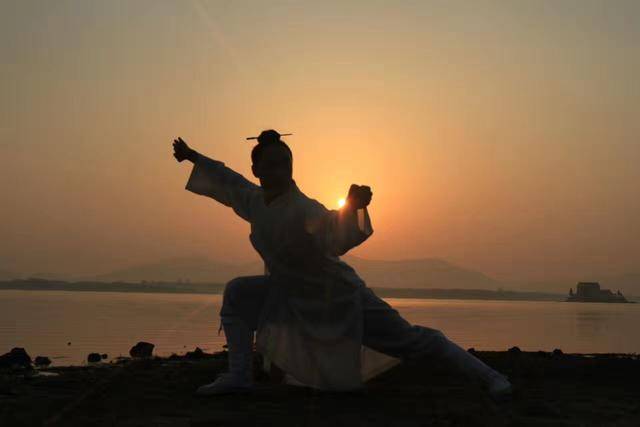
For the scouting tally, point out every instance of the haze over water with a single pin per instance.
(111, 323)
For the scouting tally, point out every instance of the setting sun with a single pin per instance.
(341, 202)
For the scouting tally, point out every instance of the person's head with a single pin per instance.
(272, 161)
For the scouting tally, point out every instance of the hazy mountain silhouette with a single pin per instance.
(194, 269)
(422, 273)
(419, 273)
(415, 273)
(7, 275)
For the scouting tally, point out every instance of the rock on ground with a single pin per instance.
(142, 349)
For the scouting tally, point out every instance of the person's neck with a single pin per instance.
(271, 193)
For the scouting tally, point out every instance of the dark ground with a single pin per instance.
(552, 390)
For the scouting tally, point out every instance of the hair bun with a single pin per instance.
(269, 136)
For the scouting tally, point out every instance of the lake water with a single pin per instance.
(44, 322)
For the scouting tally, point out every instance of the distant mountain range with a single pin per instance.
(192, 269)
(422, 273)
(7, 275)
(416, 273)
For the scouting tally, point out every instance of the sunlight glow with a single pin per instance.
(341, 202)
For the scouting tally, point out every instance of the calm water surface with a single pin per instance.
(45, 322)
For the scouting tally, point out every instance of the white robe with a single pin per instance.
(311, 324)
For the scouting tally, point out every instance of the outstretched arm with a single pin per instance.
(213, 179)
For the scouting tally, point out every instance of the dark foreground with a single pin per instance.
(552, 390)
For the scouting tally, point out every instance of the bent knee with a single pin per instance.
(437, 335)
(246, 293)
(430, 335)
(232, 289)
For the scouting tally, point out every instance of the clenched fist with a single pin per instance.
(359, 196)
(181, 151)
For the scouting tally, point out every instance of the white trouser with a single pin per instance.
(384, 329)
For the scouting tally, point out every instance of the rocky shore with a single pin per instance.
(552, 389)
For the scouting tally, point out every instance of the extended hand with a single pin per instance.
(181, 151)
(359, 196)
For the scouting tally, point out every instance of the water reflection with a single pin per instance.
(596, 323)
(102, 322)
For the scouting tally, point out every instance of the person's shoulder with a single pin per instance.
(309, 204)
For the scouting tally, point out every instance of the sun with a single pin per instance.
(341, 202)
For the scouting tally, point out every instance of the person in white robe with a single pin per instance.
(312, 314)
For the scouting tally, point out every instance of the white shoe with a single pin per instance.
(290, 380)
(226, 383)
(500, 389)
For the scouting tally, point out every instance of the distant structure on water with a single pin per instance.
(591, 292)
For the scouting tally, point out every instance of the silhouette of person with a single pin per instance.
(311, 312)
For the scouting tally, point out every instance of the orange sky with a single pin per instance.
(501, 136)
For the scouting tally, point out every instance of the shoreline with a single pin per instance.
(217, 289)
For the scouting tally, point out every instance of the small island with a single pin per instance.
(591, 292)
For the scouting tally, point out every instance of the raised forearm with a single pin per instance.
(192, 155)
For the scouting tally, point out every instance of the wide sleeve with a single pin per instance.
(213, 179)
(338, 231)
